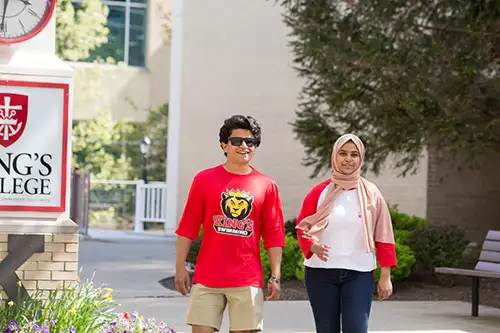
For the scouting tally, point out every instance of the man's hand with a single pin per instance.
(182, 280)
(321, 250)
(273, 290)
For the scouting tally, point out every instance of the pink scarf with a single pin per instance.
(314, 225)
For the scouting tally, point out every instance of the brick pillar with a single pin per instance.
(56, 266)
(459, 195)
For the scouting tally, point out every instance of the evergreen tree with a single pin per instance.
(401, 74)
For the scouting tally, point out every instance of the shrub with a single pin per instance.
(436, 246)
(403, 221)
(290, 227)
(292, 261)
(402, 237)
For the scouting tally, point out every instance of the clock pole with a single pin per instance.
(38, 240)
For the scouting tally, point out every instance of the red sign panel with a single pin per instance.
(13, 117)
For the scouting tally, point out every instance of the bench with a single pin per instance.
(488, 266)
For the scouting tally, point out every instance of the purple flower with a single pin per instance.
(13, 325)
(36, 327)
(45, 329)
(72, 329)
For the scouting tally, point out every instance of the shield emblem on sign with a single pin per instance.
(13, 116)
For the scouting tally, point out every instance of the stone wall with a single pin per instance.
(57, 266)
(459, 195)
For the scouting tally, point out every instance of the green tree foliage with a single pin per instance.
(80, 31)
(401, 74)
(94, 147)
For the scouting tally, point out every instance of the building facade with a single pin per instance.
(235, 60)
(138, 41)
(232, 57)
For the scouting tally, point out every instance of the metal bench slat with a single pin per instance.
(490, 256)
(493, 235)
(488, 266)
(491, 246)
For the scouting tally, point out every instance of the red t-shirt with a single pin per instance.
(236, 211)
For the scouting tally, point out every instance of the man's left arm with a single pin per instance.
(273, 234)
(275, 254)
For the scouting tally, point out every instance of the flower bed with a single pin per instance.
(81, 308)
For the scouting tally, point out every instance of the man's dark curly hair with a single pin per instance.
(240, 122)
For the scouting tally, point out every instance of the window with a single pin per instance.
(127, 32)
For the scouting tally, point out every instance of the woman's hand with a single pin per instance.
(384, 288)
(321, 250)
(304, 227)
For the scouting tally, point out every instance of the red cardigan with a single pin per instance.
(386, 252)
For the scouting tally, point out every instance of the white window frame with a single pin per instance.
(128, 5)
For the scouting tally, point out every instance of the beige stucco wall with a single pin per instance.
(129, 92)
(236, 61)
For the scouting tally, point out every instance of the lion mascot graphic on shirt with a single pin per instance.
(236, 204)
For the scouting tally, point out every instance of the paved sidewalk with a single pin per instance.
(125, 236)
(391, 316)
(132, 265)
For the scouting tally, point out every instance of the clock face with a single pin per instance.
(21, 20)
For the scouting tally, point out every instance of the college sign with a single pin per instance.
(33, 146)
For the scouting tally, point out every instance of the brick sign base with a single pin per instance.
(52, 263)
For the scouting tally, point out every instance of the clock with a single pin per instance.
(21, 20)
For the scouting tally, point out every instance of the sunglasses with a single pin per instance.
(237, 141)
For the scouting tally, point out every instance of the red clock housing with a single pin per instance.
(21, 20)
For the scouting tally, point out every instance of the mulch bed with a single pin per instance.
(423, 289)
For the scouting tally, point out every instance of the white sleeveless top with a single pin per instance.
(345, 235)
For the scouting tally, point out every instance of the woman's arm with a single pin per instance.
(384, 235)
(309, 207)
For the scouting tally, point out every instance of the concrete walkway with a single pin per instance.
(392, 316)
(132, 265)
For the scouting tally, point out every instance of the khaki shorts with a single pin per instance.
(245, 304)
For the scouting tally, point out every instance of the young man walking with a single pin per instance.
(237, 206)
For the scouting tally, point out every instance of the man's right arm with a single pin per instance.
(182, 246)
(187, 231)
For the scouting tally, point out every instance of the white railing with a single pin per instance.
(150, 204)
